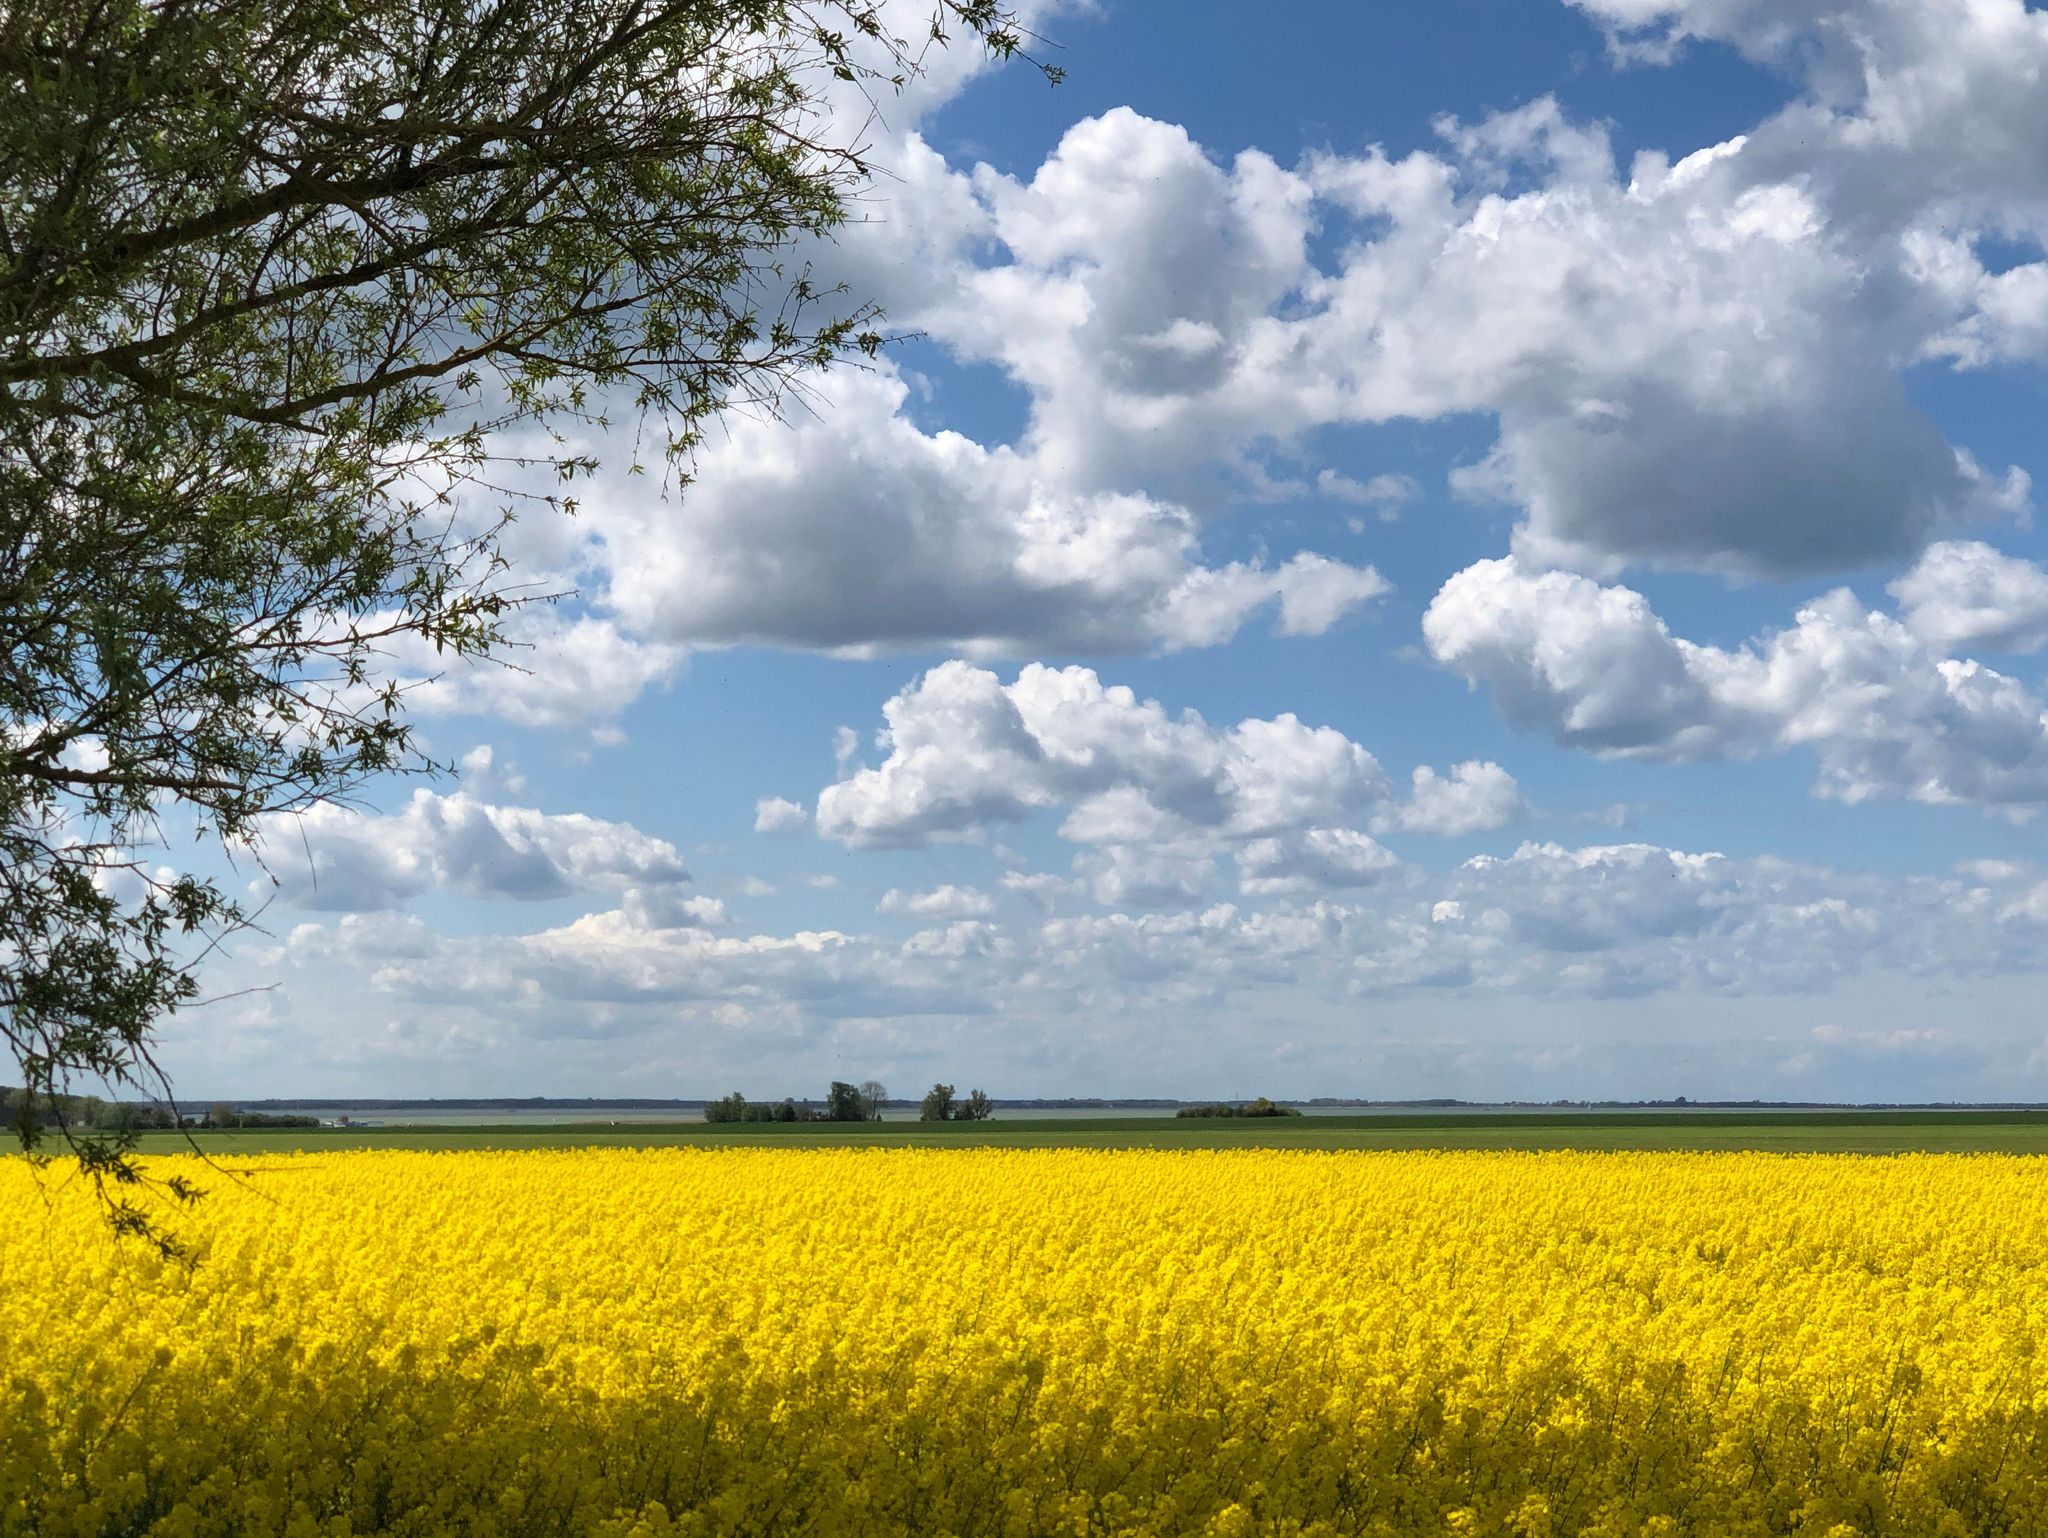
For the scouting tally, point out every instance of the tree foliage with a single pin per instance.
(52, 1111)
(275, 282)
(1256, 1108)
(736, 1107)
(940, 1103)
(844, 1102)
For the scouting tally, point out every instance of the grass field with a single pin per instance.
(1779, 1132)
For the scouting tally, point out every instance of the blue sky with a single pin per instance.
(1476, 549)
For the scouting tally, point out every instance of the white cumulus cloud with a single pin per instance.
(947, 901)
(851, 529)
(1475, 797)
(777, 814)
(1965, 593)
(966, 752)
(1884, 714)
(333, 858)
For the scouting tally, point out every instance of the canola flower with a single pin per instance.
(637, 1344)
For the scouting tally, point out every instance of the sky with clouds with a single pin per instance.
(1481, 548)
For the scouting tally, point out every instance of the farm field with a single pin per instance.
(1850, 1131)
(829, 1340)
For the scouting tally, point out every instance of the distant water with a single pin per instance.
(555, 1116)
(413, 1116)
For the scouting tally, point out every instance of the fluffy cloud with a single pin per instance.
(1319, 859)
(1636, 918)
(1384, 494)
(1474, 797)
(1964, 593)
(948, 901)
(1591, 665)
(1135, 876)
(483, 771)
(1654, 30)
(1692, 363)
(1911, 105)
(334, 859)
(564, 672)
(1153, 799)
(776, 814)
(1688, 366)
(1149, 275)
(619, 975)
(1920, 133)
(1605, 921)
(853, 530)
(967, 752)
(1323, 979)
(1689, 363)
(1883, 713)
(1998, 317)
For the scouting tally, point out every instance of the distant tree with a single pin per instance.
(937, 1104)
(133, 1118)
(976, 1107)
(843, 1103)
(1264, 1107)
(1259, 1107)
(738, 1108)
(730, 1109)
(873, 1095)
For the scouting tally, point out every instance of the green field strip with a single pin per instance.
(1783, 1132)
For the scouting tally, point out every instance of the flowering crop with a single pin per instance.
(841, 1342)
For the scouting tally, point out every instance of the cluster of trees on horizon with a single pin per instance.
(849, 1103)
(939, 1104)
(843, 1102)
(1259, 1107)
(95, 1114)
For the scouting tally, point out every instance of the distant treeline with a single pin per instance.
(850, 1102)
(87, 1113)
(1259, 1107)
(91, 1113)
(941, 1104)
(224, 1115)
(490, 1103)
(736, 1107)
(843, 1102)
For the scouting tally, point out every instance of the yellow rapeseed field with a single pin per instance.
(823, 1343)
